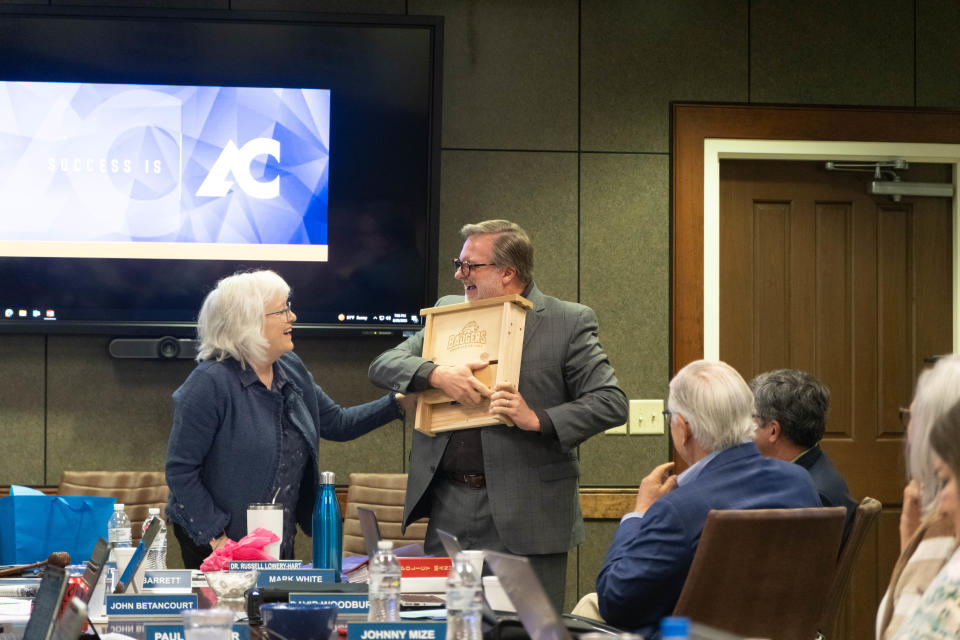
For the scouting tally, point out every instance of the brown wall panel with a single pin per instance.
(771, 286)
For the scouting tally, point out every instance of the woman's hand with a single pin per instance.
(912, 514)
(216, 543)
(408, 402)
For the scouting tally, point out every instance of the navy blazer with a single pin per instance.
(830, 484)
(224, 446)
(649, 558)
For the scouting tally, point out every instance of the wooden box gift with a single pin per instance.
(489, 330)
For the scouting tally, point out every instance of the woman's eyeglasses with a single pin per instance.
(286, 311)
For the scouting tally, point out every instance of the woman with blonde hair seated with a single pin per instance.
(927, 538)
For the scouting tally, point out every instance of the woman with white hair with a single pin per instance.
(927, 539)
(248, 420)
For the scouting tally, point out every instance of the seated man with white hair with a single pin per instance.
(710, 408)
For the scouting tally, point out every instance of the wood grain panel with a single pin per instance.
(599, 503)
(933, 314)
(770, 286)
(894, 308)
(737, 319)
(833, 323)
(803, 310)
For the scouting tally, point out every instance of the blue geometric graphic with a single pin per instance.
(162, 163)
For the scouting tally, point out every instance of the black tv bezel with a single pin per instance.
(434, 24)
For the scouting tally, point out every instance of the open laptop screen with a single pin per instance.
(536, 613)
(370, 529)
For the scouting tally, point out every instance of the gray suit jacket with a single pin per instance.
(532, 480)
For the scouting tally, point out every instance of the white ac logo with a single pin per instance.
(237, 161)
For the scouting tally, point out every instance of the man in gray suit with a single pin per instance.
(512, 489)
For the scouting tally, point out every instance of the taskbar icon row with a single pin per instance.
(12, 313)
(386, 318)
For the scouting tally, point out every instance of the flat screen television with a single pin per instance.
(145, 155)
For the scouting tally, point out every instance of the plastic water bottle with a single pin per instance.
(464, 601)
(327, 527)
(384, 585)
(118, 527)
(157, 553)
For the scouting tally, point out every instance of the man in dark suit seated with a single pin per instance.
(710, 409)
(791, 418)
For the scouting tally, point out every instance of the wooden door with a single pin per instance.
(816, 274)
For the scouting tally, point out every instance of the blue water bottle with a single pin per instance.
(675, 628)
(327, 527)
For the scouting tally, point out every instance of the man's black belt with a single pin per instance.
(472, 480)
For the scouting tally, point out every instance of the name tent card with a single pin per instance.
(150, 605)
(167, 580)
(266, 577)
(348, 603)
(261, 565)
(163, 632)
(132, 628)
(397, 631)
(175, 632)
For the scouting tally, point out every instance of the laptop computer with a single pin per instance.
(95, 565)
(534, 609)
(540, 619)
(450, 543)
(370, 529)
(123, 584)
(46, 604)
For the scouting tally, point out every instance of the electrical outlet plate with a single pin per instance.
(646, 417)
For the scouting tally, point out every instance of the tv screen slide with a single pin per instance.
(92, 170)
(145, 154)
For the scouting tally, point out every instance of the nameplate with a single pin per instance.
(266, 577)
(396, 631)
(169, 580)
(260, 565)
(132, 628)
(175, 632)
(150, 605)
(348, 603)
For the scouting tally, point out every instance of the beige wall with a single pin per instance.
(556, 115)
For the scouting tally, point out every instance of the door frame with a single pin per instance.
(703, 134)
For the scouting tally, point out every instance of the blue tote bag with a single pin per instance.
(33, 525)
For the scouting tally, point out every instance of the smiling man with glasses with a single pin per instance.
(504, 488)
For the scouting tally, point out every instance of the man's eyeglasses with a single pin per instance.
(285, 312)
(464, 267)
(667, 417)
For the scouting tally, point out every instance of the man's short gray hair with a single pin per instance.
(716, 402)
(511, 248)
(231, 318)
(938, 389)
(795, 399)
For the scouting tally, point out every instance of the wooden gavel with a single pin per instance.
(57, 558)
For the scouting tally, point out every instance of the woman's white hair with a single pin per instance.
(938, 389)
(231, 318)
(716, 402)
